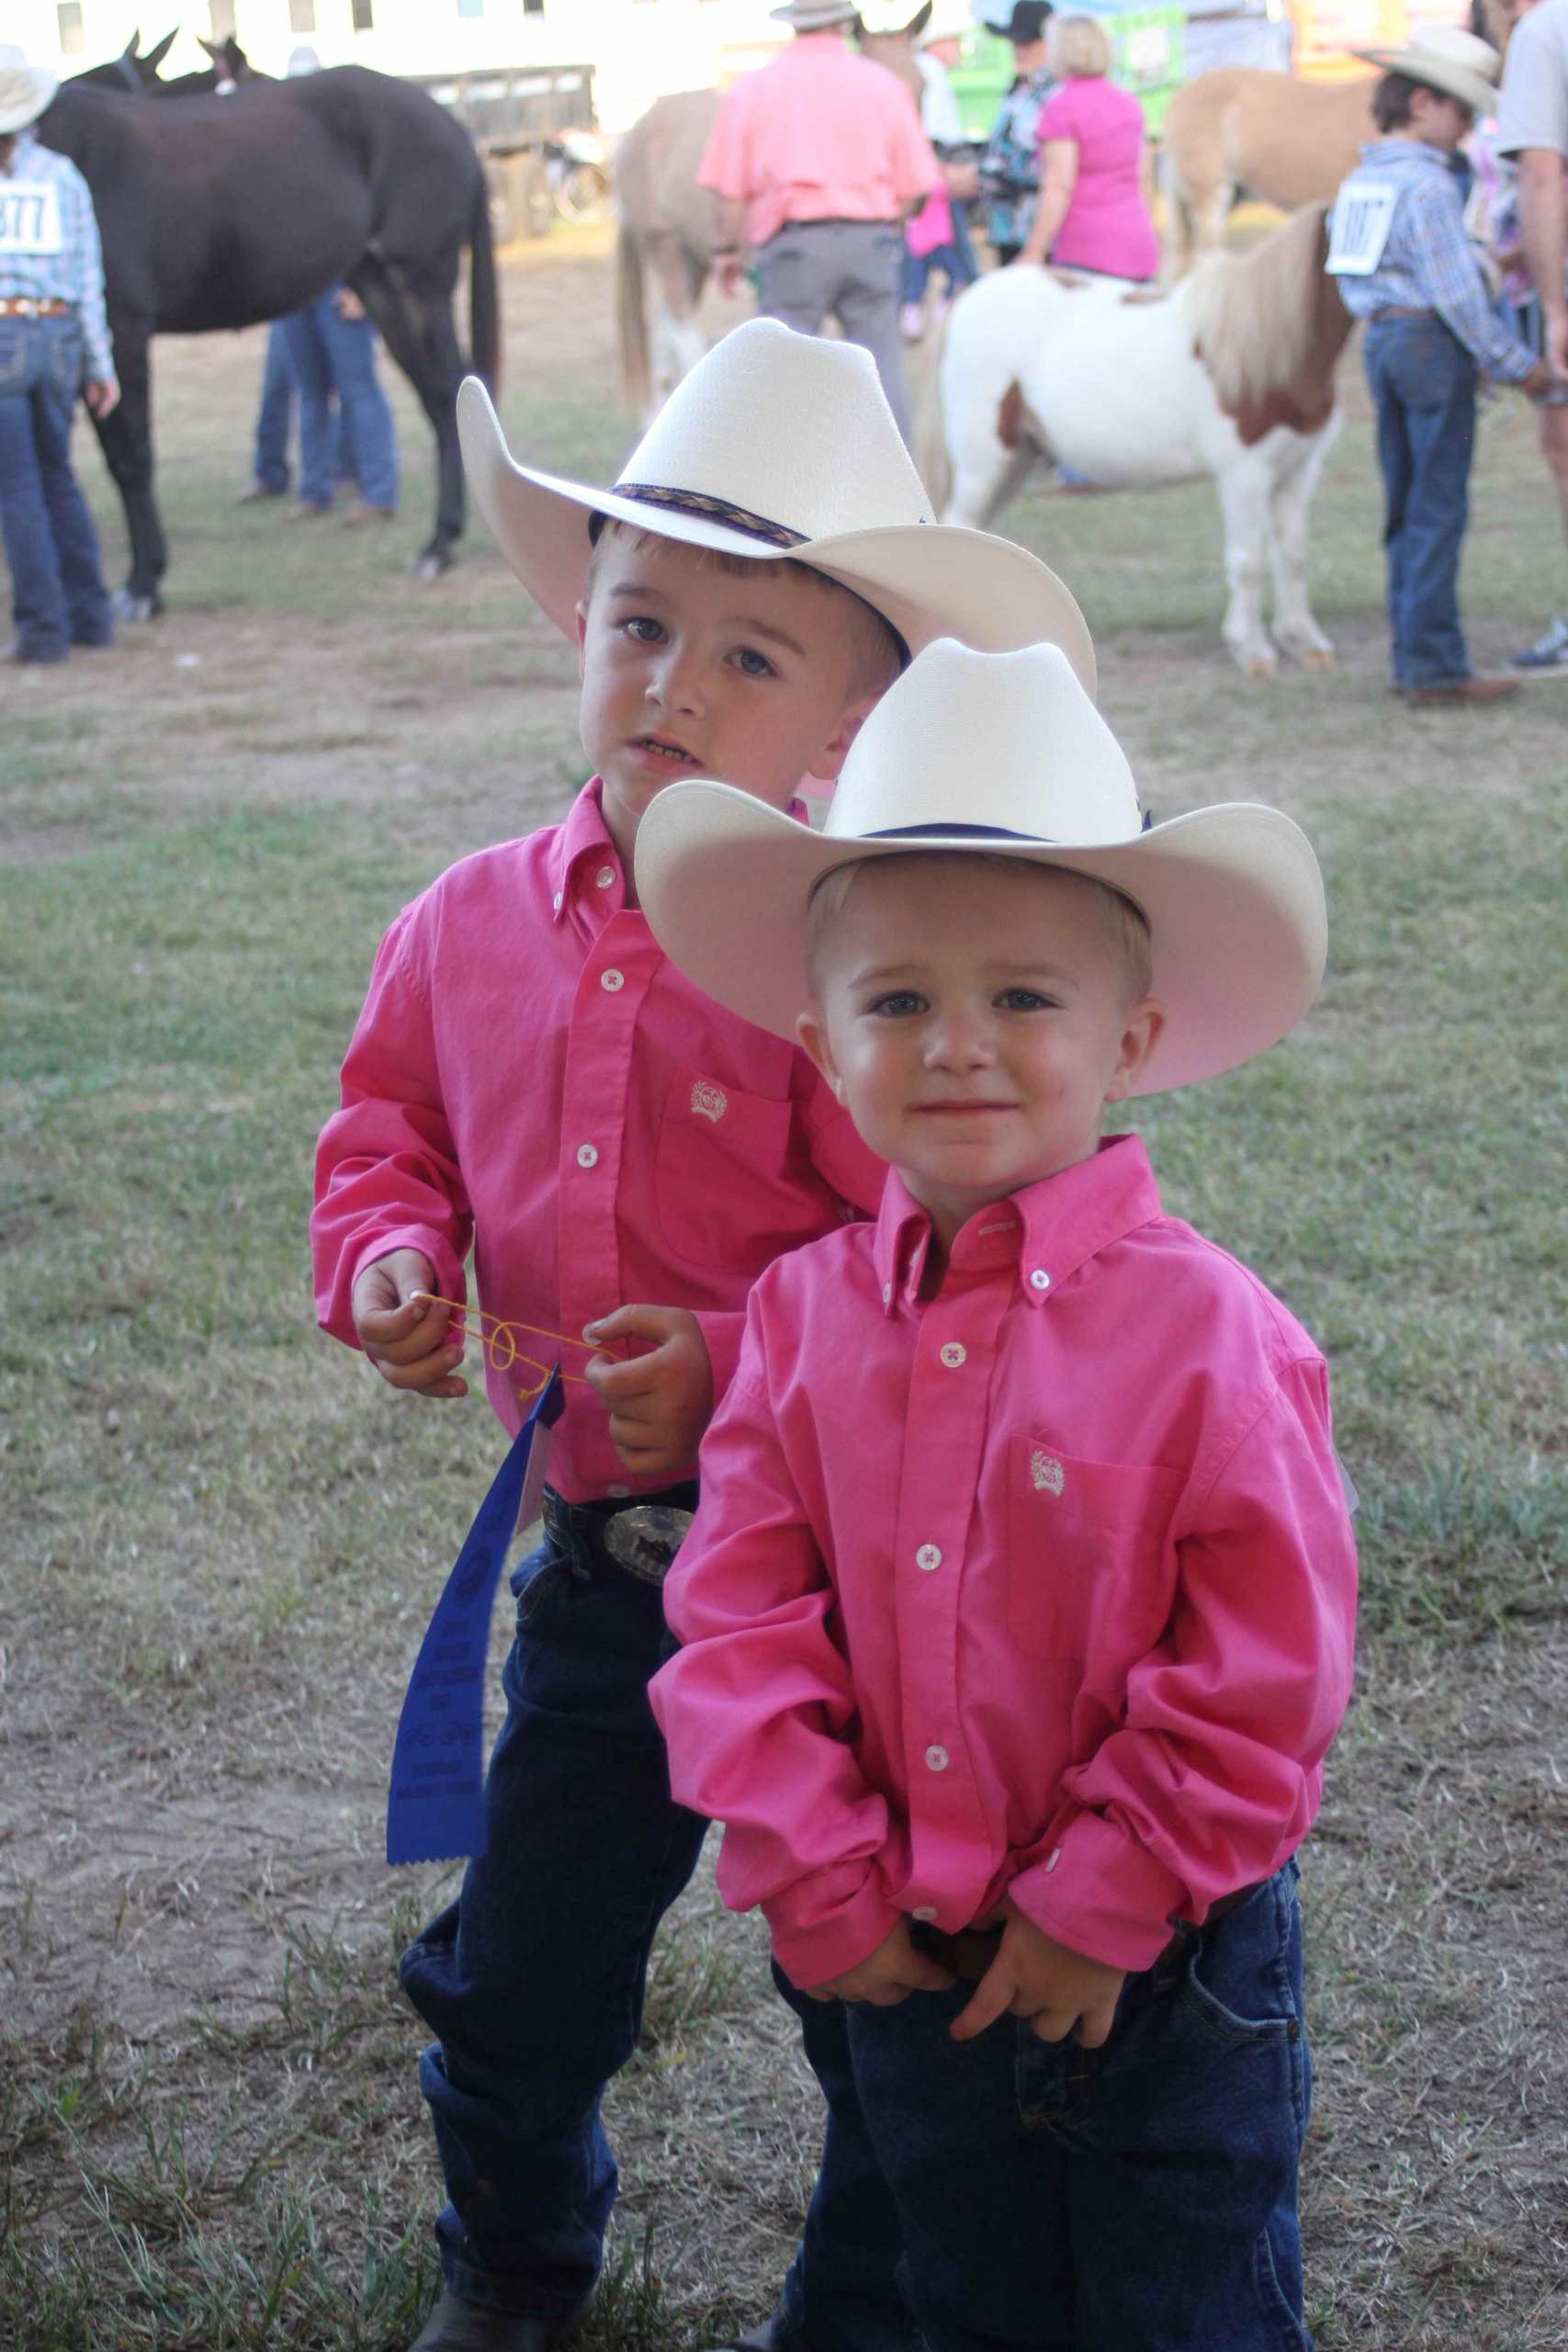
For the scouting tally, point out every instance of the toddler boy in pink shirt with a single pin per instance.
(1018, 1613)
(532, 1077)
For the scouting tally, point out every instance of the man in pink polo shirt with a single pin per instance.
(530, 1077)
(818, 160)
(1018, 1611)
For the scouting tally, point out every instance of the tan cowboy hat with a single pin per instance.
(24, 90)
(777, 444)
(816, 16)
(1440, 57)
(1002, 752)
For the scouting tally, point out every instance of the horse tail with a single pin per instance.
(631, 321)
(484, 302)
(931, 455)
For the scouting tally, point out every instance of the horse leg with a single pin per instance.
(1290, 498)
(125, 437)
(1243, 487)
(423, 339)
(678, 340)
(993, 444)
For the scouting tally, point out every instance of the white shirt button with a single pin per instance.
(1053, 1857)
(887, 1293)
(952, 1355)
(617, 1493)
(604, 876)
(937, 1759)
(1039, 1279)
(556, 902)
(928, 1556)
(612, 980)
(586, 1156)
(924, 1911)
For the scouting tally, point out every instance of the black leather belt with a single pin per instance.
(639, 1535)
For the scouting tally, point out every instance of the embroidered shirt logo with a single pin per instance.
(1046, 1473)
(708, 1101)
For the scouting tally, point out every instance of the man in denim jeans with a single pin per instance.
(1405, 264)
(53, 333)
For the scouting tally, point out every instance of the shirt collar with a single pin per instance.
(1400, 151)
(1048, 1231)
(580, 853)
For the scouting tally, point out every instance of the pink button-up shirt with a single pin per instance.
(1044, 1587)
(818, 135)
(530, 1074)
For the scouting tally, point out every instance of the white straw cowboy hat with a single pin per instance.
(24, 90)
(1440, 57)
(816, 16)
(777, 444)
(1002, 752)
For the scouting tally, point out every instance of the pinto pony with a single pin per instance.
(1229, 374)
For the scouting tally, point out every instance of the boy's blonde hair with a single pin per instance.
(1079, 48)
(1126, 925)
(878, 652)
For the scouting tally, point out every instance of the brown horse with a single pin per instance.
(1243, 132)
(668, 224)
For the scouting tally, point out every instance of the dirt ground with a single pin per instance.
(216, 1564)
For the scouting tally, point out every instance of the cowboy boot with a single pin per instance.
(457, 2326)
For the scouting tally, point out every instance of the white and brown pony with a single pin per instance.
(667, 225)
(1239, 131)
(1230, 373)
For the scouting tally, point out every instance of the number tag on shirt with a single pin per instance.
(1363, 215)
(29, 218)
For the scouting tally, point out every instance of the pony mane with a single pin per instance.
(1253, 314)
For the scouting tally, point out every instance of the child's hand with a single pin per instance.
(404, 1337)
(659, 1404)
(1060, 1992)
(886, 1976)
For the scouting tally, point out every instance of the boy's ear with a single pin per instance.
(1139, 1038)
(832, 757)
(812, 1031)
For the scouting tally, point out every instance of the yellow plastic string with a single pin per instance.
(501, 1351)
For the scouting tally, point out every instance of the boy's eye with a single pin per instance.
(642, 629)
(1024, 1000)
(897, 1006)
(754, 664)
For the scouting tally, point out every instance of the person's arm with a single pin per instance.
(386, 1173)
(725, 169)
(102, 387)
(1543, 231)
(756, 1705)
(1213, 1778)
(1059, 177)
(730, 253)
(1458, 290)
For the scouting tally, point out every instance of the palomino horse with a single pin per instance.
(1243, 132)
(667, 223)
(1230, 375)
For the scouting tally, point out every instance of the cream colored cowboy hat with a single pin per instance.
(816, 16)
(1004, 753)
(777, 444)
(24, 90)
(1440, 57)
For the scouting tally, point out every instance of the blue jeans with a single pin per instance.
(1423, 381)
(957, 259)
(270, 463)
(532, 1980)
(327, 354)
(58, 596)
(1141, 2198)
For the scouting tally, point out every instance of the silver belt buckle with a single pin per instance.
(646, 1539)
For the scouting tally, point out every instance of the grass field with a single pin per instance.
(221, 1537)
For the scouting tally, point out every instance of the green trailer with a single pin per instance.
(1148, 47)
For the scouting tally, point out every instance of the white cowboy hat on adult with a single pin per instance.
(1441, 57)
(816, 16)
(1005, 753)
(777, 444)
(24, 90)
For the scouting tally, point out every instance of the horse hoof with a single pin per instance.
(1263, 666)
(431, 564)
(1317, 657)
(131, 607)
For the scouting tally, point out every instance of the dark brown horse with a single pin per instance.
(223, 211)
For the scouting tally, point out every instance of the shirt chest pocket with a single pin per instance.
(1087, 1552)
(729, 1192)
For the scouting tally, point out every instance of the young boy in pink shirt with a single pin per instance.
(531, 1076)
(1019, 1611)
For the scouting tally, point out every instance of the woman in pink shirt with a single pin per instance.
(1091, 214)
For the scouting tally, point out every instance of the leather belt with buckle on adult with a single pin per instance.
(28, 306)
